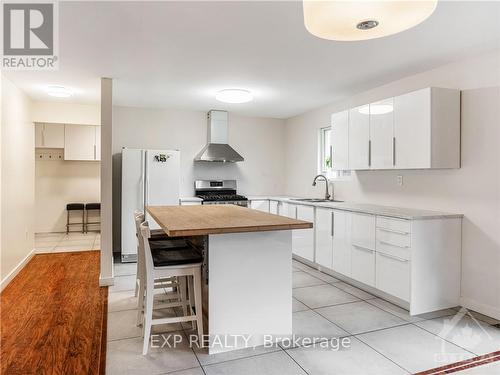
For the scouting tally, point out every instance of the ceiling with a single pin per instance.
(179, 54)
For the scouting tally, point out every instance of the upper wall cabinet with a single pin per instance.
(49, 135)
(81, 142)
(427, 129)
(340, 140)
(418, 130)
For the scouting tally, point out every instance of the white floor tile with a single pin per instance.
(404, 314)
(309, 324)
(122, 283)
(191, 371)
(52, 243)
(124, 269)
(413, 348)
(67, 248)
(322, 295)
(356, 360)
(122, 325)
(207, 359)
(354, 291)
(302, 279)
(44, 249)
(473, 335)
(322, 276)
(298, 306)
(125, 357)
(266, 364)
(359, 317)
(120, 301)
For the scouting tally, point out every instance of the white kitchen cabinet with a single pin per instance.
(303, 239)
(49, 135)
(274, 207)
(97, 154)
(363, 248)
(363, 230)
(323, 227)
(359, 138)
(382, 134)
(427, 129)
(260, 204)
(393, 275)
(342, 242)
(80, 142)
(340, 140)
(288, 210)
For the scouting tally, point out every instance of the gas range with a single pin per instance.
(219, 192)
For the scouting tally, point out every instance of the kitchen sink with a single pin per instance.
(315, 200)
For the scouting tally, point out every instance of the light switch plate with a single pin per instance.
(400, 180)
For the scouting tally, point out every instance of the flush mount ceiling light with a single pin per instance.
(59, 91)
(363, 19)
(376, 109)
(234, 96)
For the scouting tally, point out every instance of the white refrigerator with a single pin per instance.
(149, 177)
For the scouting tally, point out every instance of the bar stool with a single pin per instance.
(75, 207)
(92, 207)
(176, 262)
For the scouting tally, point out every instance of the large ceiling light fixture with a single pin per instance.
(363, 19)
(59, 91)
(234, 96)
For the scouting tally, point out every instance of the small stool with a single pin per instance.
(75, 207)
(92, 207)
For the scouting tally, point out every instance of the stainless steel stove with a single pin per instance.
(219, 192)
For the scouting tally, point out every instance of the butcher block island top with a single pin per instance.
(201, 220)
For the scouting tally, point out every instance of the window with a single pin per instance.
(325, 156)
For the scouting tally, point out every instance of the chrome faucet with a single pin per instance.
(327, 193)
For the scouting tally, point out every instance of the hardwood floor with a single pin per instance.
(53, 317)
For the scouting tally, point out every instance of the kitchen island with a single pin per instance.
(247, 269)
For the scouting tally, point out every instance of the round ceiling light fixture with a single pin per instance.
(234, 96)
(361, 20)
(59, 91)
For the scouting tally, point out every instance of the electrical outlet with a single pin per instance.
(400, 180)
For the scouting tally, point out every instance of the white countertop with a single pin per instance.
(397, 212)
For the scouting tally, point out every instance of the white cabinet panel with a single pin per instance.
(393, 275)
(97, 142)
(340, 140)
(274, 207)
(363, 265)
(303, 239)
(412, 130)
(382, 134)
(363, 230)
(79, 142)
(288, 210)
(324, 236)
(359, 138)
(342, 242)
(261, 205)
(49, 135)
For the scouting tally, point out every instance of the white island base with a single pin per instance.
(249, 289)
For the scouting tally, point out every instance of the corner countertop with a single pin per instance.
(374, 209)
(190, 199)
(199, 220)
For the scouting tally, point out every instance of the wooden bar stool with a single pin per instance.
(163, 263)
(75, 207)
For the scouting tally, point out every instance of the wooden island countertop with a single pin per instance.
(199, 220)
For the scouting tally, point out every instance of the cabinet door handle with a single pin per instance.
(393, 231)
(333, 223)
(391, 244)
(363, 248)
(369, 153)
(393, 257)
(95, 153)
(394, 151)
(43, 135)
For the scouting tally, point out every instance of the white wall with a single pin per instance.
(259, 140)
(17, 171)
(58, 183)
(473, 190)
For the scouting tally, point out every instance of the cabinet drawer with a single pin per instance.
(393, 238)
(393, 276)
(393, 250)
(363, 265)
(363, 230)
(395, 225)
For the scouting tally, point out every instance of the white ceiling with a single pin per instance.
(179, 54)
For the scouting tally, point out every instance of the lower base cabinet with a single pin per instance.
(303, 239)
(363, 265)
(342, 242)
(393, 276)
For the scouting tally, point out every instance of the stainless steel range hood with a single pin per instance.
(217, 149)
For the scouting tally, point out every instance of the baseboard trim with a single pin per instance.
(7, 279)
(487, 310)
(106, 281)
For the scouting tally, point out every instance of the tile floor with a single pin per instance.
(384, 339)
(74, 241)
